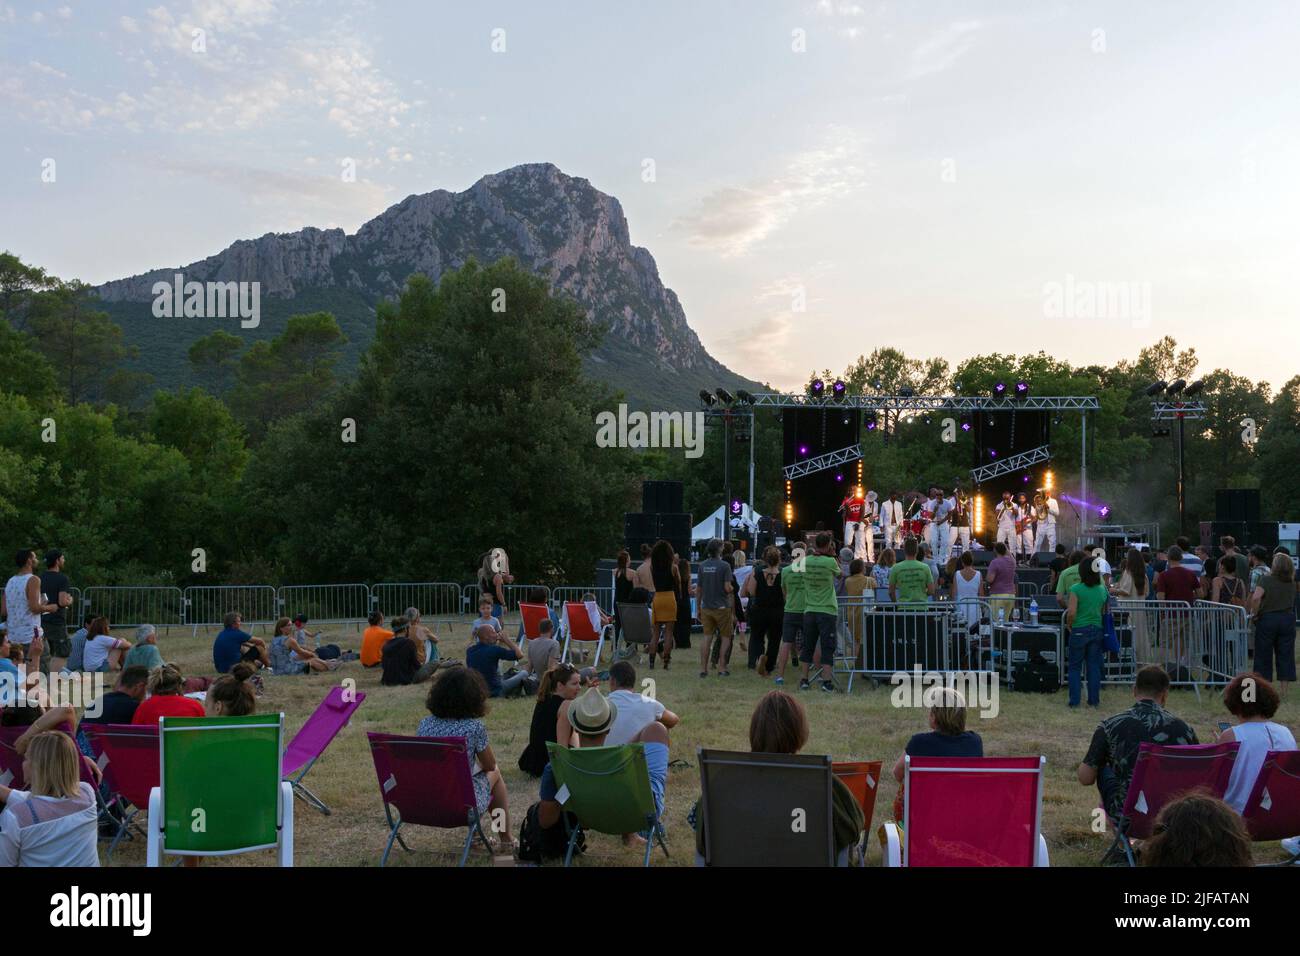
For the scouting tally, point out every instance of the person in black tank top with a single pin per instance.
(766, 612)
(685, 620)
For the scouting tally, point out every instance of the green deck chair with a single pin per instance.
(609, 792)
(221, 790)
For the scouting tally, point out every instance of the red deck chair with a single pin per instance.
(311, 740)
(862, 777)
(533, 615)
(577, 624)
(129, 759)
(1163, 773)
(969, 811)
(1272, 810)
(425, 781)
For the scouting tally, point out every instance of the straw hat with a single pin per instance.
(592, 714)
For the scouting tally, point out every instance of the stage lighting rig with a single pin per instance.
(707, 397)
(1155, 388)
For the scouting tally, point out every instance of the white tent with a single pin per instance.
(715, 525)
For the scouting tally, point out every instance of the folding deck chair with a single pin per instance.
(1001, 810)
(862, 777)
(425, 781)
(532, 616)
(220, 791)
(1163, 773)
(11, 764)
(749, 803)
(128, 756)
(575, 619)
(1272, 810)
(608, 792)
(313, 737)
(636, 624)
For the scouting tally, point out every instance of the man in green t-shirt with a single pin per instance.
(821, 610)
(1068, 578)
(792, 582)
(910, 580)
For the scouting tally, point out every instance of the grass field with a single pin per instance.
(715, 713)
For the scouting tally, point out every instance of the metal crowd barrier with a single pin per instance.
(326, 603)
(436, 600)
(604, 596)
(880, 639)
(207, 605)
(131, 606)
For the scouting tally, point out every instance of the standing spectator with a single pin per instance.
(22, 607)
(167, 698)
(766, 612)
(1103, 566)
(1197, 829)
(233, 644)
(1272, 604)
(485, 654)
(667, 585)
(1083, 617)
(1228, 545)
(457, 704)
(1059, 564)
(1113, 752)
(820, 611)
(685, 617)
(54, 823)
(715, 586)
(56, 587)
(1178, 582)
(493, 576)
(1134, 585)
(559, 684)
(881, 571)
(1253, 701)
(1189, 558)
(1069, 577)
(101, 646)
(1000, 583)
(967, 585)
(792, 587)
(911, 581)
(1209, 571)
(1258, 566)
(145, 653)
(1227, 588)
(643, 576)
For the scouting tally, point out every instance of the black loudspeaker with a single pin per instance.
(983, 557)
(640, 525)
(1262, 533)
(1044, 559)
(661, 497)
(676, 530)
(1236, 504)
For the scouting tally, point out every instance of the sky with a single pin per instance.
(815, 178)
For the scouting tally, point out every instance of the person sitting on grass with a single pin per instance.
(485, 654)
(634, 709)
(231, 695)
(779, 725)
(145, 653)
(1197, 829)
(290, 657)
(55, 821)
(426, 641)
(559, 685)
(542, 654)
(1253, 701)
(77, 655)
(373, 639)
(166, 697)
(400, 658)
(947, 736)
(457, 704)
(233, 645)
(1113, 752)
(119, 705)
(102, 647)
(592, 715)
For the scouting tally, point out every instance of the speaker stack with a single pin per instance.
(1236, 513)
(661, 516)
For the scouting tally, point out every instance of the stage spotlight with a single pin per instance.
(956, 387)
(707, 397)
(1195, 388)
(1000, 389)
(725, 396)
(1022, 389)
(1025, 478)
(871, 421)
(735, 507)
(803, 449)
(1157, 432)
(926, 419)
(1049, 480)
(993, 453)
(839, 476)
(839, 388)
(965, 423)
(817, 388)
(990, 421)
(906, 391)
(1155, 388)
(746, 398)
(1176, 387)
(847, 420)
(1057, 420)
(1104, 511)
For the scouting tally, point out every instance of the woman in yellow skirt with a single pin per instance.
(663, 569)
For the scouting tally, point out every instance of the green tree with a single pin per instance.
(289, 373)
(18, 284)
(24, 370)
(215, 360)
(83, 344)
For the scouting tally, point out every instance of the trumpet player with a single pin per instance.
(1048, 510)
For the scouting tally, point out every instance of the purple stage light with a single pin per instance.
(1000, 388)
(839, 476)
(818, 386)
(735, 507)
(993, 453)
(1104, 511)
(838, 388)
(803, 449)
(965, 426)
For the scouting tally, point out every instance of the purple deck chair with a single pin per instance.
(425, 781)
(1164, 773)
(11, 764)
(128, 755)
(1272, 810)
(310, 742)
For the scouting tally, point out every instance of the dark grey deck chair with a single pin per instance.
(766, 809)
(636, 629)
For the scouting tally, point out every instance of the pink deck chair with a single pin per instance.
(425, 781)
(309, 743)
(969, 811)
(576, 621)
(128, 755)
(1163, 773)
(1272, 810)
(11, 764)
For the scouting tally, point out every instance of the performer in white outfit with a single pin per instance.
(1006, 514)
(870, 521)
(930, 531)
(891, 521)
(942, 529)
(960, 520)
(1025, 527)
(1048, 511)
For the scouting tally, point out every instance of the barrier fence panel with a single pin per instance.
(325, 603)
(436, 600)
(516, 593)
(207, 605)
(131, 607)
(897, 638)
(604, 596)
(1220, 639)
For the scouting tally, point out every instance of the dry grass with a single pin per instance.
(715, 713)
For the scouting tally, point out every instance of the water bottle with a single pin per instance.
(1033, 612)
(1002, 616)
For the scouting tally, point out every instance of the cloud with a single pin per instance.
(129, 24)
(40, 67)
(761, 347)
(734, 219)
(64, 13)
(945, 48)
